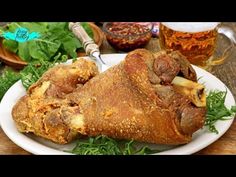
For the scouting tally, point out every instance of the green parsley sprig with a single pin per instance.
(103, 145)
(216, 109)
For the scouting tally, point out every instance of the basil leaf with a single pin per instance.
(11, 45)
(23, 51)
(7, 79)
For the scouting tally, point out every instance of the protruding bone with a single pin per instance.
(193, 90)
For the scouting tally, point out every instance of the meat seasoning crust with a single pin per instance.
(123, 103)
(135, 99)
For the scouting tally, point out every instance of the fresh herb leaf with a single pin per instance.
(55, 38)
(233, 109)
(216, 109)
(43, 49)
(129, 149)
(33, 71)
(69, 42)
(103, 145)
(55, 26)
(99, 145)
(70, 45)
(64, 58)
(40, 27)
(1, 30)
(7, 79)
(23, 51)
(11, 45)
(11, 27)
(145, 150)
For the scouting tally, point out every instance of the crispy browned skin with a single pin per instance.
(40, 111)
(124, 103)
(132, 100)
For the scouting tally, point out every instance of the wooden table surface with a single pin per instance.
(226, 73)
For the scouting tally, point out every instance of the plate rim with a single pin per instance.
(52, 151)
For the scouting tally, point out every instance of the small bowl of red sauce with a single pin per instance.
(127, 36)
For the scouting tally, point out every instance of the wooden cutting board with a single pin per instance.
(16, 62)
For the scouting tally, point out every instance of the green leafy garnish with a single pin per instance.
(103, 145)
(216, 109)
(29, 75)
(55, 37)
(33, 71)
(11, 45)
(7, 79)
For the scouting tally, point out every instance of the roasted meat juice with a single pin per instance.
(196, 41)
